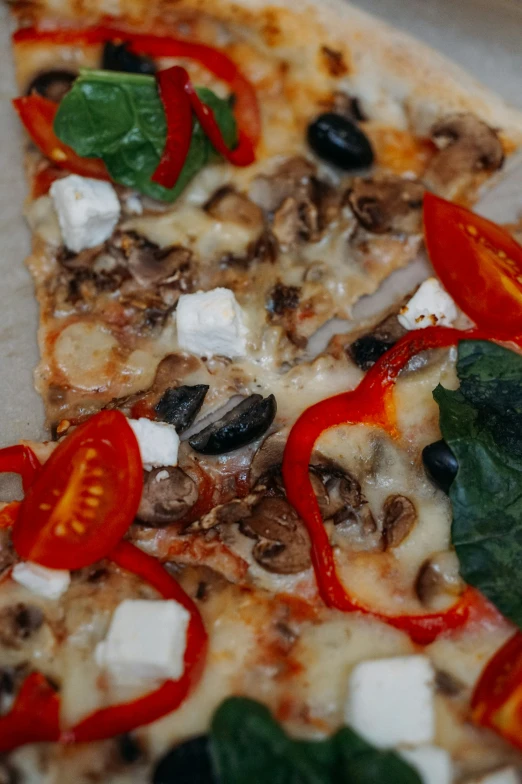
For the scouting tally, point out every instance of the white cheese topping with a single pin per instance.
(158, 442)
(390, 701)
(146, 641)
(49, 583)
(432, 763)
(211, 322)
(430, 306)
(504, 776)
(88, 210)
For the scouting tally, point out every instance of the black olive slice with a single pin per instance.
(441, 464)
(179, 406)
(246, 422)
(52, 85)
(339, 141)
(118, 57)
(188, 763)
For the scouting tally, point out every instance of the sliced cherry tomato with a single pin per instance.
(37, 114)
(478, 262)
(497, 699)
(85, 497)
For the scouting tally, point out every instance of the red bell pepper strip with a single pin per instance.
(9, 513)
(118, 719)
(172, 86)
(370, 404)
(20, 460)
(179, 100)
(37, 115)
(246, 107)
(34, 717)
(497, 699)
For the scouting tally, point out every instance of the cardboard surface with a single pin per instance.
(482, 35)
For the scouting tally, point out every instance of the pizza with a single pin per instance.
(275, 533)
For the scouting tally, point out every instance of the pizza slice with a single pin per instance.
(247, 553)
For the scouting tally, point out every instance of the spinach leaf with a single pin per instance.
(482, 423)
(249, 745)
(120, 118)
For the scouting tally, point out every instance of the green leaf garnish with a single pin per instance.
(482, 424)
(119, 118)
(248, 745)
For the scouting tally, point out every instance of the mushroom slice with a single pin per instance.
(467, 145)
(149, 264)
(230, 206)
(400, 516)
(179, 406)
(438, 577)
(168, 494)
(387, 203)
(283, 545)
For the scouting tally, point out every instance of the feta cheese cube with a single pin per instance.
(503, 776)
(390, 701)
(49, 583)
(158, 442)
(146, 641)
(432, 763)
(88, 210)
(431, 305)
(211, 322)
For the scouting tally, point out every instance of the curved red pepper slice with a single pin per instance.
(37, 115)
(34, 717)
(246, 107)
(497, 699)
(370, 404)
(20, 460)
(172, 86)
(118, 719)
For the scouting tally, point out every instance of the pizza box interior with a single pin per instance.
(481, 35)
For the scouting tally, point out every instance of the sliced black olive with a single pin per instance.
(339, 141)
(188, 763)
(129, 749)
(441, 464)
(117, 57)
(367, 350)
(179, 406)
(52, 85)
(246, 422)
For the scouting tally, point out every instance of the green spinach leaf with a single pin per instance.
(482, 423)
(249, 745)
(120, 118)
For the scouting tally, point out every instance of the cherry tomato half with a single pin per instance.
(85, 497)
(479, 264)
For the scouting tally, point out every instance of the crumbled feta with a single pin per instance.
(133, 204)
(390, 701)
(146, 641)
(158, 442)
(49, 583)
(211, 322)
(432, 763)
(88, 210)
(504, 776)
(431, 305)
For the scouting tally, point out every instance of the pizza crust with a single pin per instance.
(401, 79)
